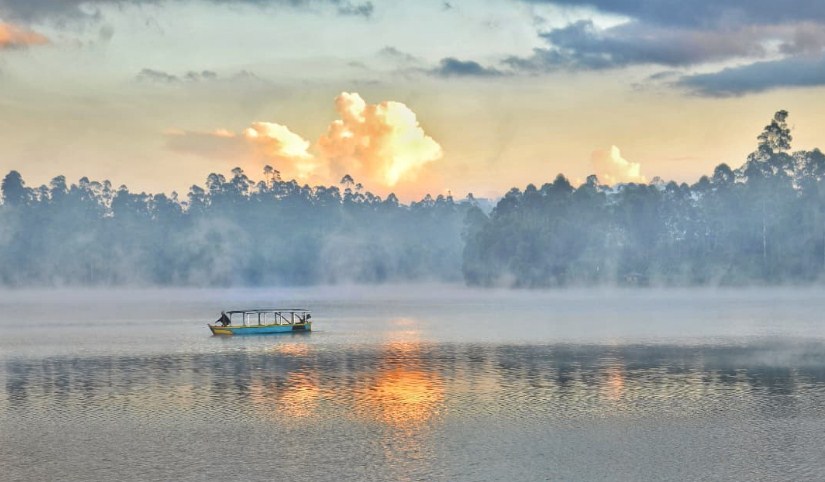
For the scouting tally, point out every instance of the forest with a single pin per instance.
(232, 232)
(761, 223)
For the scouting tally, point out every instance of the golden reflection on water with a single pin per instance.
(613, 382)
(291, 349)
(406, 396)
(403, 397)
(402, 392)
(296, 398)
(300, 399)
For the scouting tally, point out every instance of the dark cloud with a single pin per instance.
(33, 10)
(582, 45)
(757, 77)
(706, 14)
(247, 76)
(666, 74)
(452, 67)
(395, 55)
(806, 39)
(106, 33)
(193, 76)
(361, 9)
(60, 11)
(682, 34)
(158, 76)
(161, 77)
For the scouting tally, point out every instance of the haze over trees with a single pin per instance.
(761, 223)
(233, 231)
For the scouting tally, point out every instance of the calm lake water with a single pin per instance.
(415, 383)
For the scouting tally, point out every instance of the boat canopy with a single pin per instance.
(268, 310)
(266, 316)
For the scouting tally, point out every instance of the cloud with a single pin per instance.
(261, 143)
(152, 75)
(395, 55)
(805, 39)
(360, 9)
(193, 76)
(583, 45)
(452, 67)
(705, 14)
(382, 144)
(106, 33)
(78, 10)
(12, 36)
(611, 168)
(162, 77)
(683, 35)
(757, 77)
(287, 150)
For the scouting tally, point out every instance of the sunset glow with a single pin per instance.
(14, 36)
(301, 240)
(404, 395)
(383, 143)
(626, 93)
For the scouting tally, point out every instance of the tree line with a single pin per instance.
(232, 231)
(761, 223)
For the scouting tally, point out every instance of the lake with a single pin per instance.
(415, 383)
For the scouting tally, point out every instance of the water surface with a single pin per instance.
(415, 383)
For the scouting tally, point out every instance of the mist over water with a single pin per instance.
(415, 382)
(759, 224)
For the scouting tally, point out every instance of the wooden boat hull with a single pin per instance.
(260, 329)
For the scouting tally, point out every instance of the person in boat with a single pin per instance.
(224, 319)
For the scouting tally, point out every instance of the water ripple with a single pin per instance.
(408, 410)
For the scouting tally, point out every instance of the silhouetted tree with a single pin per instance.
(761, 223)
(15, 192)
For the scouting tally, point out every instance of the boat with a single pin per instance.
(262, 321)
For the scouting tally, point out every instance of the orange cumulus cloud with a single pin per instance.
(12, 36)
(286, 149)
(380, 144)
(261, 143)
(611, 168)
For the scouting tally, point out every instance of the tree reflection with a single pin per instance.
(296, 397)
(409, 385)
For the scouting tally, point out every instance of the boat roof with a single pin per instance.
(268, 310)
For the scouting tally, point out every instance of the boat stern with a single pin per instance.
(219, 330)
(302, 326)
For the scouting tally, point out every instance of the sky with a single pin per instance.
(407, 97)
